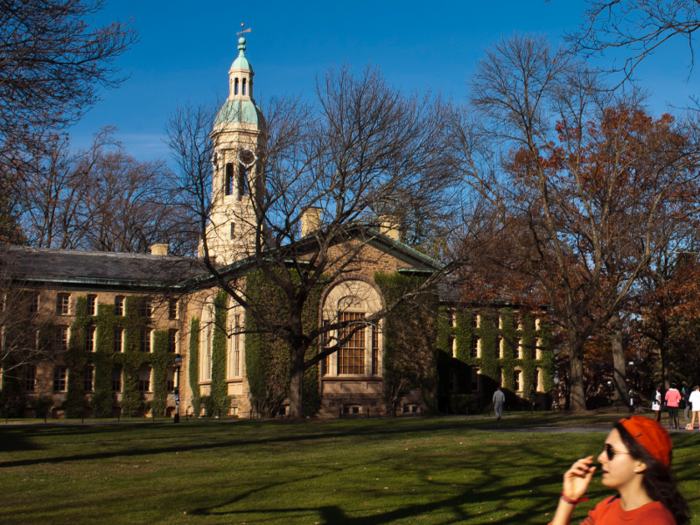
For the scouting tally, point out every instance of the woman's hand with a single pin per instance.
(578, 477)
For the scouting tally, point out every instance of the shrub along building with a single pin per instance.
(152, 334)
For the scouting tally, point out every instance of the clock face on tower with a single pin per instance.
(246, 157)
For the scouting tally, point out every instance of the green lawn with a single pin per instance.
(358, 472)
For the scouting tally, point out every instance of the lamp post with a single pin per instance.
(178, 364)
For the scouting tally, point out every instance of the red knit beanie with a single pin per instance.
(652, 436)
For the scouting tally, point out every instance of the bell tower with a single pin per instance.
(239, 142)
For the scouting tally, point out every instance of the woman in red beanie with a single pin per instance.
(635, 461)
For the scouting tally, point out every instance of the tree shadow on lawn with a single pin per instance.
(25, 439)
(495, 489)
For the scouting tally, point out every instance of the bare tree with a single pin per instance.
(636, 27)
(365, 150)
(100, 199)
(579, 181)
(52, 62)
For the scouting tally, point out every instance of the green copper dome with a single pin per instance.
(240, 111)
(241, 62)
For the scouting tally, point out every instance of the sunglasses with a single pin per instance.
(611, 452)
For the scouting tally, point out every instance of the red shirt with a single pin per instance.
(673, 396)
(609, 512)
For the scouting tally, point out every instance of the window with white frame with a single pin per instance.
(119, 305)
(476, 380)
(145, 379)
(172, 341)
(60, 373)
(62, 304)
(61, 341)
(30, 378)
(517, 380)
(89, 378)
(89, 338)
(92, 305)
(118, 341)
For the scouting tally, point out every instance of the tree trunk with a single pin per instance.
(619, 361)
(578, 396)
(296, 383)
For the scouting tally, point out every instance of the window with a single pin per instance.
(146, 340)
(119, 305)
(172, 341)
(517, 376)
(228, 180)
(537, 351)
(89, 378)
(351, 356)
(236, 347)
(62, 303)
(145, 379)
(118, 339)
(233, 230)
(499, 348)
(90, 339)
(117, 379)
(517, 349)
(146, 308)
(34, 303)
(476, 321)
(375, 350)
(170, 383)
(30, 378)
(207, 355)
(244, 86)
(235, 87)
(92, 305)
(61, 338)
(540, 384)
(241, 181)
(453, 345)
(476, 347)
(475, 379)
(537, 323)
(173, 310)
(352, 409)
(59, 378)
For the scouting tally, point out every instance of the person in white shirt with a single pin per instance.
(695, 402)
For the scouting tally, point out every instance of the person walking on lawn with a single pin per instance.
(636, 462)
(498, 399)
(656, 404)
(695, 402)
(673, 397)
(686, 405)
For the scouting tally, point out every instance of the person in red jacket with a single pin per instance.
(635, 461)
(673, 397)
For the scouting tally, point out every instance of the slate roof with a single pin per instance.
(99, 269)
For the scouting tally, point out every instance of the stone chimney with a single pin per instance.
(310, 221)
(389, 228)
(159, 249)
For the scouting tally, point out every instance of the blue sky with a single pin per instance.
(187, 47)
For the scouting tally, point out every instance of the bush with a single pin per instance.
(41, 406)
(464, 404)
(208, 403)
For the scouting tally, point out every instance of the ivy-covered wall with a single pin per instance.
(410, 340)
(494, 364)
(267, 357)
(104, 359)
(193, 367)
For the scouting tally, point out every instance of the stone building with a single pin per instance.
(125, 321)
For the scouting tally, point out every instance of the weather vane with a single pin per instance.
(242, 31)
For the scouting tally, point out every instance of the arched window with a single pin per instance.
(244, 86)
(351, 302)
(235, 87)
(228, 180)
(241, 181)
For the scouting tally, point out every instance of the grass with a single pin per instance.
(418, 471)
